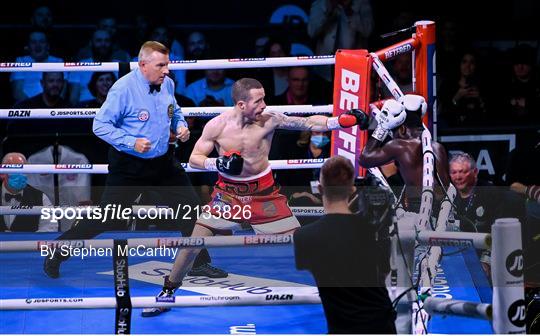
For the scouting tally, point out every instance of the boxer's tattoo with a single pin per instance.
(293, 123)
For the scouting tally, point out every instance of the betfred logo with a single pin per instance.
(305, 161)
(74, 166)
(348, 99)
(451, 242)
(19, 113)
(247, 59)
(398, 51)
(180, 242)
(314, 57)
(55, 244)
(12, 165)
(16, 65)
(74, 64)
(270, 239)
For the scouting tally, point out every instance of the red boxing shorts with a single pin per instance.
(238, 203)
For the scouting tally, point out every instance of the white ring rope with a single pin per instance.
(232, 63)
(36, 210)
(84, 113)
(88, 168)
(427, 181)
(458, 307)
(385, 76)
(167, 242)
(290, 298)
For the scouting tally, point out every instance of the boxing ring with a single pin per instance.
(264, 293)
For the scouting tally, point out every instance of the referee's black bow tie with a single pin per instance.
(9, 197)
(155, 87)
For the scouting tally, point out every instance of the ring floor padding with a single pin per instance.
(21, 276)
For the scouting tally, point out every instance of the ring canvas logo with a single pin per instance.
(154, 271)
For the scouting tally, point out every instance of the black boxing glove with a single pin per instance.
(349, 119)
(231, 163)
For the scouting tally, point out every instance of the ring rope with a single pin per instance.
(231, 63)
(164, 242)
(290, 298)
(478, 240)
(89, 168)
(211, 111)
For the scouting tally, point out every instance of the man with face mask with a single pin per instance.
(17, 192)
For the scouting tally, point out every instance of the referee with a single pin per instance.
(136, 119)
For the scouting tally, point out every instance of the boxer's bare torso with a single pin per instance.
(249, 132)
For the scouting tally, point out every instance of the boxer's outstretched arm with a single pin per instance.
(312, 123)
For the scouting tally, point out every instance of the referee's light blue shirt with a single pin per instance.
(131, 111)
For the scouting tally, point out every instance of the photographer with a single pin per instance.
(349, 277)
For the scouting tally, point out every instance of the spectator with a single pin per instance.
(462, 98)
(15, 192)
(213, 90)
(522, 102)
(101, 52)
(139, 34)
(42, 18)
(99, 87)
(278, 82)
(53, 84)
(299, 89)
(299, 183)
(197, 49)
(339, 24)
(477, 202)
(299, 92)
(73, 189)
(474, 200)
(401, 71)
(27, 84)
(108, 24)
(354, 297)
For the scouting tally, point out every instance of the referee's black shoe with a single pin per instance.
(208, 271)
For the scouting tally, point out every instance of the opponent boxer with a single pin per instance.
(402, 120)
(245, 193)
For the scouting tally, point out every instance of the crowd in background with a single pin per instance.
(478, 83)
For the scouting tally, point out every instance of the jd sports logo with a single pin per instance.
(516, 313)
(514, 263)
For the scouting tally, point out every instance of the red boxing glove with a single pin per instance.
(349, 119)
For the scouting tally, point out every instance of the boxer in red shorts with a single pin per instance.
(245, 194)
